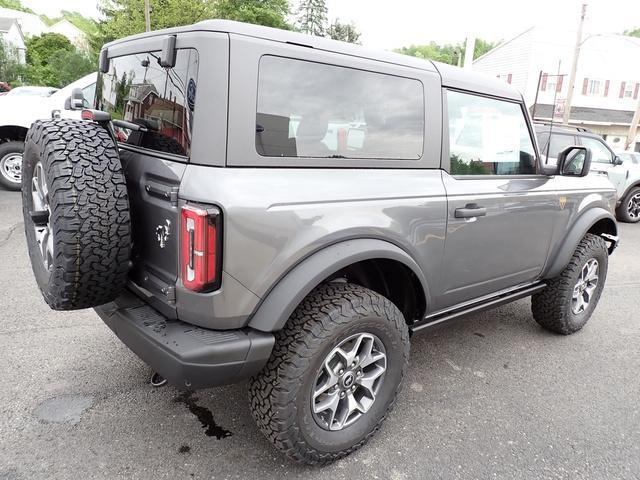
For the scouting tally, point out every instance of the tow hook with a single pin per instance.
(158, 380)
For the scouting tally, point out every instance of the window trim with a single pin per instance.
(241, 151)
(446, 152)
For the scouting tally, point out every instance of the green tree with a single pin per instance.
(53, 61)
(448, 53)
(633, 33)
(10, 69)
(345, 32)
(15, 5)
(41, 49)
(126, 17)
(312, 17)
(271, 13)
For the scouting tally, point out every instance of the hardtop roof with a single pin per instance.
(453, 77)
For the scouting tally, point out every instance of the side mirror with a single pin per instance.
(75, 101)
(617, 160)
(574, 161)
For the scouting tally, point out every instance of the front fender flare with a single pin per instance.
(572, 239)
(278, 305)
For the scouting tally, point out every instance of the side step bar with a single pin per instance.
(438, 319)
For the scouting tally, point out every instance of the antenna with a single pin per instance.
(553, 113)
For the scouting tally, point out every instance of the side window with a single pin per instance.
(488, 137)
(89, 94)
(137, 89)
(599, 153)
(557, 144)
(308, 109)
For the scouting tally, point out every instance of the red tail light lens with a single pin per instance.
(200, 248)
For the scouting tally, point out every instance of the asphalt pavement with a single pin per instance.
(491, 396)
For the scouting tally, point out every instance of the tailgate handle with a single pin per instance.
(162, 191)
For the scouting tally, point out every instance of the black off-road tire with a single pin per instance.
(7, 149)
(280, 395)
(89, 213)
(622, 212)
(552, 306)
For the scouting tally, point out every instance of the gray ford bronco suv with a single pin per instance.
(244, 202)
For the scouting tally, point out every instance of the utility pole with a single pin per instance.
(633, 129)
(574, 67)
(468, 52)
(147, 16)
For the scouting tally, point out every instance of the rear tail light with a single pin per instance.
(200, 248)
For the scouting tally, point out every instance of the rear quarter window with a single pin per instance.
(137, 89)
(308, 109)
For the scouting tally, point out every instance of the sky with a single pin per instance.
(389, 24)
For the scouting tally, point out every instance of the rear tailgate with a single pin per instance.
(155, 220)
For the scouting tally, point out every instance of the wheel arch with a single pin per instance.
(13, 133)
(597, 221)
(372, 263)
(635, 184)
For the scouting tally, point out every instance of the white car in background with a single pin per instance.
(621, 169)
(32, 91)
(18, 112)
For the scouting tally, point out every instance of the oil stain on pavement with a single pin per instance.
(212, 429)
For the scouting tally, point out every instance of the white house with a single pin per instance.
(31, 24)
(12, 38)
(73, 33)
(607, 86)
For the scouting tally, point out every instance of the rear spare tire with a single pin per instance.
(76, 213)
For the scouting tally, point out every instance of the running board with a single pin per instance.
(488, 304)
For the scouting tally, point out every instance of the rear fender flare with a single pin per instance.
(572, 239)
(288, 293)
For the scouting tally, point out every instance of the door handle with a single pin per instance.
(470, 210)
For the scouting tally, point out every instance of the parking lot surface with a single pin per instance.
(491, 396)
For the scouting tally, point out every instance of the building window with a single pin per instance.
(628, 89)
(594, 88)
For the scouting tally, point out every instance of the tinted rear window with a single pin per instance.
(137, 89)
(308, 109)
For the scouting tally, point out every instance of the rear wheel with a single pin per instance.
(11, 165)
(76, 213)
(629, 209)
(334, 374)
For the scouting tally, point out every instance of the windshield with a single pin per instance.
(32, 91)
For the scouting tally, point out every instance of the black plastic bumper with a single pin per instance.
(187, 356)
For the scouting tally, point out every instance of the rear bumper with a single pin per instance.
(187, 356)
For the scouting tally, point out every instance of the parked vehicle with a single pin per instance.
(214, 226)
(624, 175)
(32, 91)
(19, 111)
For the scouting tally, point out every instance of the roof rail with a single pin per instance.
(579, 129)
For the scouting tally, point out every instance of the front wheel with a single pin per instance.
(629, 209)
(11, 165)
(567, 302)
(334, 374)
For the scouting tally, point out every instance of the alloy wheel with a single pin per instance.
(633, 207)
(346, 386)
(41, 215)
(585, 286)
